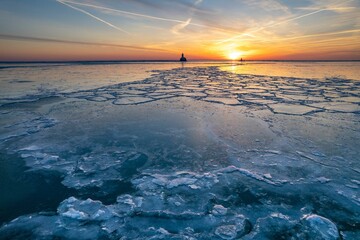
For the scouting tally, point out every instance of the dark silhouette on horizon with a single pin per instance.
(183, 59)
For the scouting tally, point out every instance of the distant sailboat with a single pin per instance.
(183, 59)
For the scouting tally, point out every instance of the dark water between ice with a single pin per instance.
(196, 151)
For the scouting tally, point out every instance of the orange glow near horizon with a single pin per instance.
(37, 51)
(223, 30)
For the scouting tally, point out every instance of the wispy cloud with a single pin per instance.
(51, 40)
(93, 16)
(125, 12)
(335, 9)
(277, 39)
(280, 22)
(319, 35)
(176, 29)
(146, 16)
(269, 5)
(338, 6)
(197, 2)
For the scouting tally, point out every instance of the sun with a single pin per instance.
(234, 55)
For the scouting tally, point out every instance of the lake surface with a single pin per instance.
(19, 79)
(201, 150)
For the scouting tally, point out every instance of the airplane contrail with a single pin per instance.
(180, 26)
(93, 16)
(321, 34)
(145, 16)
(309, 36)
(40, 39)
(281, 22)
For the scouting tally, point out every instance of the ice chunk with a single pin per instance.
(268, 175)
(318, 227)
(219, 210)
(72, 213)
(127, 204)
(338, 106)
(226, 232)
(323, 179)
(248, 173)
(239, 227)
(181, 181)
(132, 100)
(84, 210)
(291, 109)
(275, 226)
(223, 100)
(50, 227)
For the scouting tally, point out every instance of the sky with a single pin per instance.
(65, 30)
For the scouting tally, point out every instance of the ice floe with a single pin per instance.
(294, 96)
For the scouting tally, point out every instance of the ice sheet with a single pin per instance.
(282, 95)
(193, 153)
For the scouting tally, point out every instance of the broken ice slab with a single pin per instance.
(348, 99)
(282, 95)
(87, 170)
(131, 100)
(291, 109)
(226, 101)
(84, 210)
(338, 106)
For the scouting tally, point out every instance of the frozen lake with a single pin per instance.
(204, 150)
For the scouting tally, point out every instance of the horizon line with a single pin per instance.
(172, 60)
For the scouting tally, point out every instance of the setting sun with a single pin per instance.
(234, 55)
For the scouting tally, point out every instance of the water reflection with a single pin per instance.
(320, 70)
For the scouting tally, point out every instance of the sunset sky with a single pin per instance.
(163, 29)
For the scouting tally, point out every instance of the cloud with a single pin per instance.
(91, 15)
(349, 32)
(144, 3)
(197, 2)
(338, 6)
(334, 9)
(283, 21)
(220, 29)
(51, 40)
(320, 35)
(164, 4)
(124, 12)
(268, 5)
(176, 29)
